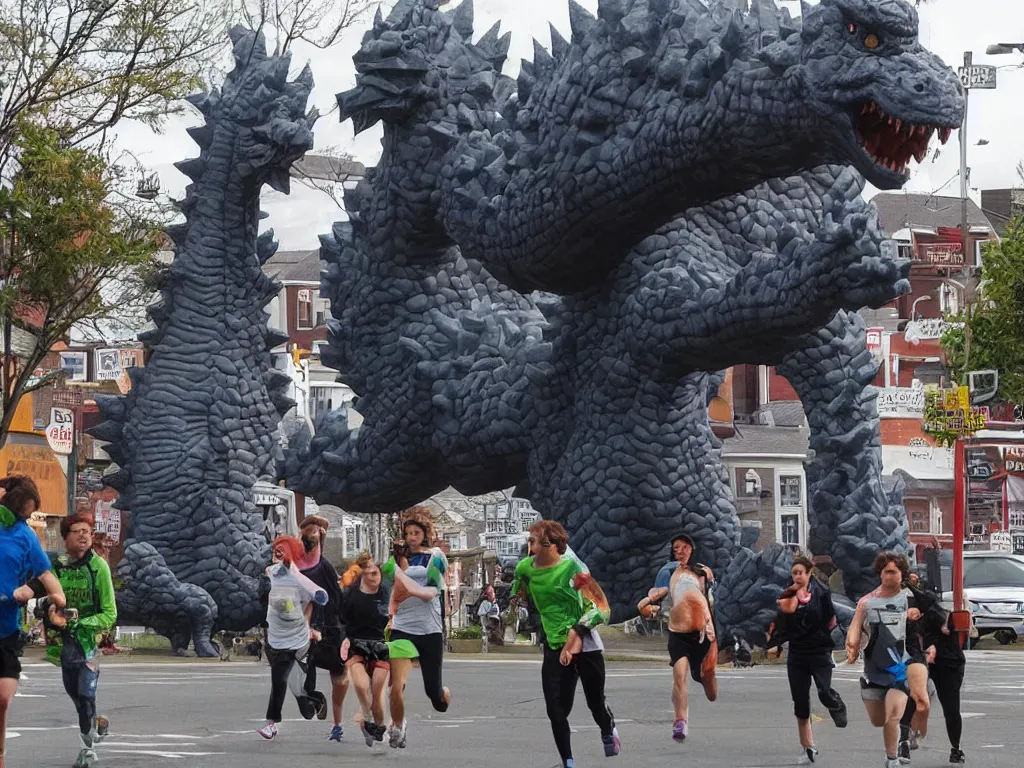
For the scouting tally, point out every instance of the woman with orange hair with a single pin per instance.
(289, 607)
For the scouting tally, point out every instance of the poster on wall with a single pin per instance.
(108, 364)
(75, 363)
(1013, 465)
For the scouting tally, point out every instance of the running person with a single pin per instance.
(71, 643)
(289, 607)
(884, 685)
(416, 616)
(571, 605)
(946, 664)
(21, 559)
(806, 620)
(364, 610)
(325, 653)
(692, 645)
(921, 654)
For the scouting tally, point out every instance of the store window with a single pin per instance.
(789, 490)
(790, 529)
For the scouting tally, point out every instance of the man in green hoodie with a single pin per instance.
(71, 640)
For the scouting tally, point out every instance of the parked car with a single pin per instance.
(994, 589)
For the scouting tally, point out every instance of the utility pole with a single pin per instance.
(964, 188)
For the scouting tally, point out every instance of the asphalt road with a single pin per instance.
(205, 715)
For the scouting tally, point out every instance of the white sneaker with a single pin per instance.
(86, 757)
(892, 762)
(268, 731)
(397, 737)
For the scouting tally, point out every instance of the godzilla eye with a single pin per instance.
(871, 42)
(851, 28)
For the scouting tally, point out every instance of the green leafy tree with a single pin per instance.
(63, 236)
(996, 323)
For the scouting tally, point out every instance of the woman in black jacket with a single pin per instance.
(945, 670)
(806, 621)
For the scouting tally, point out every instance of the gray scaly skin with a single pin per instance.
(594, 401)
(660, 105)
(851, 517)
(199, 427)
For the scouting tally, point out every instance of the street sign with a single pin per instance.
(60, 434)
(978, 76)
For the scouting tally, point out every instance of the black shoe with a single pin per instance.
(839, 716)
(811, 753)
(903, 752)
(308, 706)
(321, 705)
(957, 756)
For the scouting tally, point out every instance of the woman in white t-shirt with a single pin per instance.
(289, 607)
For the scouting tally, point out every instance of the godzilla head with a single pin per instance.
(865, 72)
(274, 129)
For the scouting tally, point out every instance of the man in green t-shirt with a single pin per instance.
(71, 640)
(571, 605)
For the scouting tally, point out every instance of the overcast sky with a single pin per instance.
(948, 27)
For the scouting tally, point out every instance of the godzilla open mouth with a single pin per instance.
(891, 142)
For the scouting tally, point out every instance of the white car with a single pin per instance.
(994, 588)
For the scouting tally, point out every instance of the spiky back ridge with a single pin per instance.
(577, 104)
(261, 117)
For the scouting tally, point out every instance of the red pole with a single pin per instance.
(959, 523)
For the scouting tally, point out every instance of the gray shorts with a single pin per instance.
(874, 692)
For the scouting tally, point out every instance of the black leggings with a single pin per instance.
(948, 679)
(801, 670)
(431, 650)
(560, 691)
(288, 671)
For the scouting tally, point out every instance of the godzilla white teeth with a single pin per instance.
(920, 155)
(944, 134)
(899, 125)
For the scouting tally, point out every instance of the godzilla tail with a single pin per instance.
(852, 514)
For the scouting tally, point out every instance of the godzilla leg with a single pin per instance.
(151, 592)
(629, 480)
(852, 517)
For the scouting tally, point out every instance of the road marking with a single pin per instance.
(20, 695)
(991, 746)
(13, 734)
(107, 744)
(176, 755)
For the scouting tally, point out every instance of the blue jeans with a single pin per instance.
(80, 684)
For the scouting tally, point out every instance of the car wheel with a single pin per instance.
(1005, 636)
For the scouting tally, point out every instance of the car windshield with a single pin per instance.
(993, 572)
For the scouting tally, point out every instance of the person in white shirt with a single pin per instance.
(289, 607)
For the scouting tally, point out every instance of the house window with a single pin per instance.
(323, 310)
(918, 515)
(304, 302)
(789, 490)
(790, 529)
(351, 540)
(454, 541)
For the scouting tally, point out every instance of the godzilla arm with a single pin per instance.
(822, 260)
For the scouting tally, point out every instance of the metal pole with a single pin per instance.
(959, 523)
(968, 60)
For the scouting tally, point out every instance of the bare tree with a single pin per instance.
(317, 22)
(80, 66)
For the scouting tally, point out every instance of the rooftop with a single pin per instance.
(294, 266)
(757, 440)
(901, 210)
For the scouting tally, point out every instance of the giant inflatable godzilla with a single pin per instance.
(199, 426)
(674, 187)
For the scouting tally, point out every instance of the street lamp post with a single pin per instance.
(973, 77)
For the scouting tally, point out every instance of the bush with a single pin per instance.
(472, 632)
